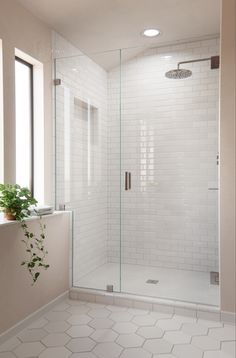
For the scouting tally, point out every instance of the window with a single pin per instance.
(24, 123)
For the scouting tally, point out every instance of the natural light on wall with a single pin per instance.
(29, 124)
(1, 117)
(24, 122)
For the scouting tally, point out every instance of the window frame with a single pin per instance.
(31, 84)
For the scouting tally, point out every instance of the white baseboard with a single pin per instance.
(32, 317)
(228, 317)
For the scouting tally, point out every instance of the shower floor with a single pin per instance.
(190, 286)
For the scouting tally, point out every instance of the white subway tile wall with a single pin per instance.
(169, 142)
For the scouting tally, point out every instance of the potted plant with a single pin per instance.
(15, 203)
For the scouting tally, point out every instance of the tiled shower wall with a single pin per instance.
(169, 144)
(81, 156)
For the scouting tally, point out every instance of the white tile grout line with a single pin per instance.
(154, 304)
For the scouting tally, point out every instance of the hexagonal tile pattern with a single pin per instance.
(75, 329)
(78, 309)
(80, 344)
(187, 351)
(227, 333)
(194, 329)
(55, 339)
(57, 352)
(150, 332)
(101, 323)
(83, 355)
(130, 340)
(10, 344)
(57, 316)
(104, 335)
(125, 327)
(135, 353)
(80, 331)
(57, 327)
(177, 337)
(79, 319)
(169, 324)
(157, 346)
(99, 313)
(32, 335)
(107, 350)
(26, 350)
(61, 307)
(121, 316)
(205, 343)
(146, 320)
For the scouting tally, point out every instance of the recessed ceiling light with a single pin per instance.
(151, 32)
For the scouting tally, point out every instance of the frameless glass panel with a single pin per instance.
(170, 147)
(88, 165)
(24, 123)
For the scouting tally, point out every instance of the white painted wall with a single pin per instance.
(20, 29)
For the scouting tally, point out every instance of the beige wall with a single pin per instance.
(19, 29)
(227, 151)
(18, 298)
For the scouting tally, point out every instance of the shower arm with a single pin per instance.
(192, 61)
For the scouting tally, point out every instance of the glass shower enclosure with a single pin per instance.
(136, 162)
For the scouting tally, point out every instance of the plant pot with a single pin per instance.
(9, 216)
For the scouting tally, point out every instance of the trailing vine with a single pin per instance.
(35, 249)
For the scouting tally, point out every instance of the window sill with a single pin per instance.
(4, 222)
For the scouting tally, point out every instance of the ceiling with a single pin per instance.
(100, 25)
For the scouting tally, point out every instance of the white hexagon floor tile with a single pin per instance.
(27, 350)
(107, 350)
(101, 323)
(80, 345)
(10, 344)
(187, 351)
(194, 329)
(80, 331)
(146, 320)
(78, 309)
(158, 346)
(99, 313)
(57, 327)
(226, 333)
(205, 343)
(125, 327)
(83, 355)
(135, 353)
(57, 352)
(150, 332)
(79, 319)
(217, 354)
(56, 339)
(104, 335)
(32, 335)
(177, 337)
(130, 340)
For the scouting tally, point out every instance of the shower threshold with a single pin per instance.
(177, 285)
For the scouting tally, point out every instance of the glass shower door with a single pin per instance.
(86, 160)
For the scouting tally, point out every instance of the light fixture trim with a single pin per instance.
(151, 32)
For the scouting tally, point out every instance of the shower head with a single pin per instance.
(178, 73)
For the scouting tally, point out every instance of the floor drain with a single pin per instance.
(153, 282)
